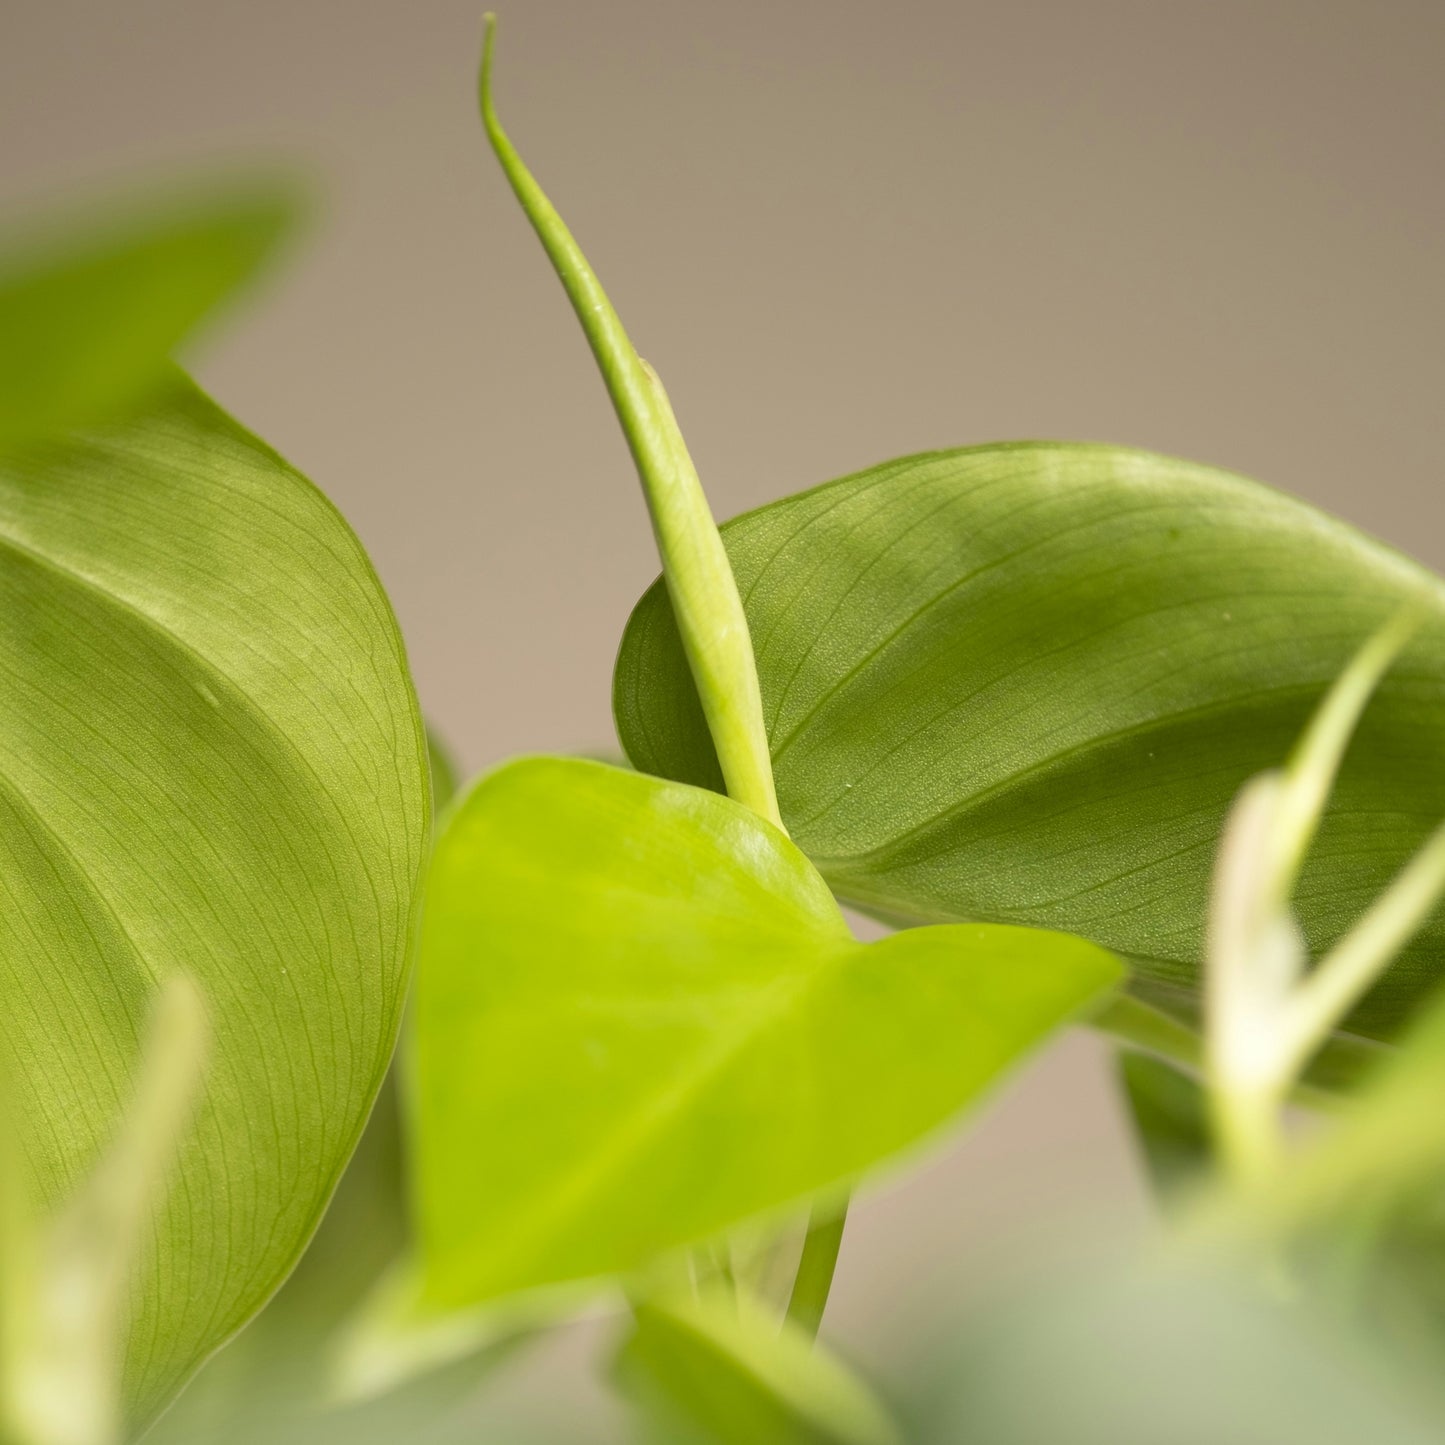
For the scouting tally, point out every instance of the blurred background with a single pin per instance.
(842, 232)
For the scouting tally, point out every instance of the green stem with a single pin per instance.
(699, 576)
(700, 580)
(1248, 1130)
(814, 1279)
(1325, 997)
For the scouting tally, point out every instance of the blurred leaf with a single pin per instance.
(1355, 1214)
(395, 1339)
(90, 312)
(721, 1370)
(1170, 1120)
(641, 1020)
(65, 1277)
(1136, 1357)
(210, 762)
(1022, 683)
(1385, 1144)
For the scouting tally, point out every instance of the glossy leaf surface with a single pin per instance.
(87, 326)
(719, 1370)
(1021, 683)
(641, 1020)
(210, 762)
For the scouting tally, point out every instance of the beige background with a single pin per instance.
(842, 232)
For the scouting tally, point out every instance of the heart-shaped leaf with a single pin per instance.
(642, 1020)
(91, 309)
(1022, 683)
(211, 762)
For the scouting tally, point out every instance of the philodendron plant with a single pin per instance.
(1106, 738)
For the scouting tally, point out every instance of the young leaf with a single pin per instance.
(1023, 682)
(91, 311)
(712, 628)
(641, 1020)
(718, 1370)
(211, 761)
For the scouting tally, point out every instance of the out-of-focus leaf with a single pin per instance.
(720, 1370)
(1385, 1145)
(1136, 1357)
(65, 1275)
(1022, 683)
(1171, 1122)
(91, 311)
(642, 1020)
(395, 1339)
(210, 761)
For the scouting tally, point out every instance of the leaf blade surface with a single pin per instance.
(211, 762)
(641, 1020)
(1021, 683)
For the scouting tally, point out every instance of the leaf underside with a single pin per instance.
(210, 761)
(1021, 683)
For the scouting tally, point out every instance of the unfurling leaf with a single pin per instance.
(1023, 682)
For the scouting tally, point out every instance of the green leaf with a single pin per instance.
(1171, 1122)
(720, 1370)
(91, 309)
(1022, 683)
(641, 1020)
(211, 762)
(1138, 1354)
(704, 595)
(65, 1275)
(269, 1382)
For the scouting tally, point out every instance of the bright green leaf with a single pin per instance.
(91, 310)
(210, 761)
(641, 1020)
(719, 1370)
(1022, 683)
